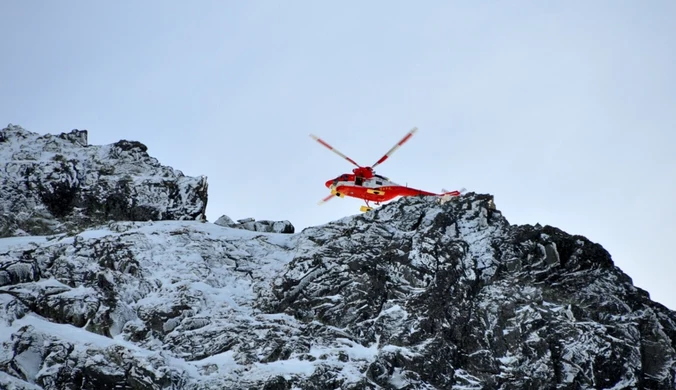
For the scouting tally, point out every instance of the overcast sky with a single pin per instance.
(564, 111)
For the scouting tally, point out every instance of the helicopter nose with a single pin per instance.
(329, 183)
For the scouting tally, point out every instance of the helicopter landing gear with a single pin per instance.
(366, 208)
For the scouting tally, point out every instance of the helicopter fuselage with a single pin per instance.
(377, 188)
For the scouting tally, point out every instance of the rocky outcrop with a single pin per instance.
(57, 183)
(413, 295)
(257, 226)
(455, 296)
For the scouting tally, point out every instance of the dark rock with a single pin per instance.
(130, 145)
(77, 137)
(225, 221)
(257, 226)
(277, 383)
(58, 197)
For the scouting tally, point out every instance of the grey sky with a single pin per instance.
(565, 111)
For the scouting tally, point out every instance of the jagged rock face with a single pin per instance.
(477, 303)
(413, 295)
(55, 183)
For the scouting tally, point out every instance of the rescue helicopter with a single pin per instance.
(363, 183)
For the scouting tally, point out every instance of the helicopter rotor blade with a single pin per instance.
(395, 147)
(331, 148)
(328, 198)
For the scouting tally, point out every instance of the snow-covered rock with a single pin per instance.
(417, 294)
(56, 183)
(413, 295)
(257, 226)
(225, 221)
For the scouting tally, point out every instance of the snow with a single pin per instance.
(30, 361)
(95, 233)
(285, 367)
(466, 381)
(352, 349)
(67, 332)
(10, 243)
(8, 382)
(223, 360)
(398, 380)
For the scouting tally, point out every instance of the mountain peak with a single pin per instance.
(420, 293)
(57, 183)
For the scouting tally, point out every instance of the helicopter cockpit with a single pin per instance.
(374, 182)
(346, 179)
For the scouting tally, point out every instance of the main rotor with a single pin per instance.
(367, 172)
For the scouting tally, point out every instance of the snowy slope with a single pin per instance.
(175, 299)
(157, 294)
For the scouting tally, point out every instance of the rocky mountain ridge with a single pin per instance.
(55, 183)
(416, 294)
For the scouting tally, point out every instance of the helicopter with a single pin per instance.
(363, 183)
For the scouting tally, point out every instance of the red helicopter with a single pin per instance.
(365, 184)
